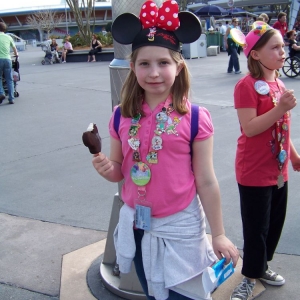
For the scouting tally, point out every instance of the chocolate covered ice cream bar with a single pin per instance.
(92, 139)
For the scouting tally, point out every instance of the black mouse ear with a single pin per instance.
(125, 28)
(190, 28)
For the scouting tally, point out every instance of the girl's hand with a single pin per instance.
(223, 247)
(102, 164)
(287, 100)
(296, 164)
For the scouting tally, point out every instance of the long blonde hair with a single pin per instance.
(254, 65)
(132, 93)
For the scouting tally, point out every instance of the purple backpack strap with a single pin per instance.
(194, 124)
(117, 120)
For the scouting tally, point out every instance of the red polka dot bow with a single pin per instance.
(166, 17)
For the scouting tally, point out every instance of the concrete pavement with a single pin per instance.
(54, 206)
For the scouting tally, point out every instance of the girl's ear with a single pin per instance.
(254, 54)
(132, 67)
(179, 68)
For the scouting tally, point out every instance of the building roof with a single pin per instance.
(59, 8)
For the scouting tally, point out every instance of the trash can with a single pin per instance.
(190, 50)
(213, 39)
(202, 46)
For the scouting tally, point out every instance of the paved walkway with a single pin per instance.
(52, 202)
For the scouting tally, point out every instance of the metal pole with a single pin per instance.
(66, 17)
(123, 285)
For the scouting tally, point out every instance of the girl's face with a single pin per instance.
(272, 54)
(155, 70)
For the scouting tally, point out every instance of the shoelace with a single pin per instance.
(244, 289)
(271, 274)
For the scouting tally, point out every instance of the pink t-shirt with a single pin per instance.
(256, 163)
(172, 185)
(68, 45)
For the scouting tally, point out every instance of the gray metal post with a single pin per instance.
(123, 285)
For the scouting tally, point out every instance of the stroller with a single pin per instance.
(15, 76)
(51, 56)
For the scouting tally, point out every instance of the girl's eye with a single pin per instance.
(164, 62)
(143, 63)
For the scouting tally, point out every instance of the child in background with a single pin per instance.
(162, 223)
(263, 151)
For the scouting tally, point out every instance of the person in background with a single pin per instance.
(233, 49)
(67, 48)
(293, 46)
(162, 224)
(6, 42)
(264, 149)
(264, 17)
(281, 25)
(223, 30)
(54, 48)
(96, 47)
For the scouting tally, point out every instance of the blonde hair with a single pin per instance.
(254, 65)
(265, 17)
(132, 93)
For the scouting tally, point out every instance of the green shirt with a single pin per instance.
(6, 42)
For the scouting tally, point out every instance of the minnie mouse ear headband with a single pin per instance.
(259, 28)
(163, 27)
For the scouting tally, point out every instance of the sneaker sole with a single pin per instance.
(272, 282)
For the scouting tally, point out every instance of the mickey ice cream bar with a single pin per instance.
(92, 139)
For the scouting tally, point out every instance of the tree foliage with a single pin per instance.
(84, 14)
(45, 20)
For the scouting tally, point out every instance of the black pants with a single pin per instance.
(95, 51)
(263, 211)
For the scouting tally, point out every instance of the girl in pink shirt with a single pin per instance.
(151, 153)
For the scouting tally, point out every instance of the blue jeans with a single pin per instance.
(6, 69)
(233, 60)
(138, 262)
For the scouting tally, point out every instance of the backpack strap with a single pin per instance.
(194, 124)
(117, 120)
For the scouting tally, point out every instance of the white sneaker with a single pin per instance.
(272, 278)
(243, 291)
(63, 62)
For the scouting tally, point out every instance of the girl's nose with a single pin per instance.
(154, 72)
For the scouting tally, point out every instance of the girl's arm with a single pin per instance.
(296, 47)
(253, 125)
(99, 43)
(110, 168)
(209, 193)
(294, 157)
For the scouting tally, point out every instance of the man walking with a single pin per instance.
(6, 42)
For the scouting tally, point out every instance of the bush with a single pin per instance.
(105, 39)
(77, 41)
